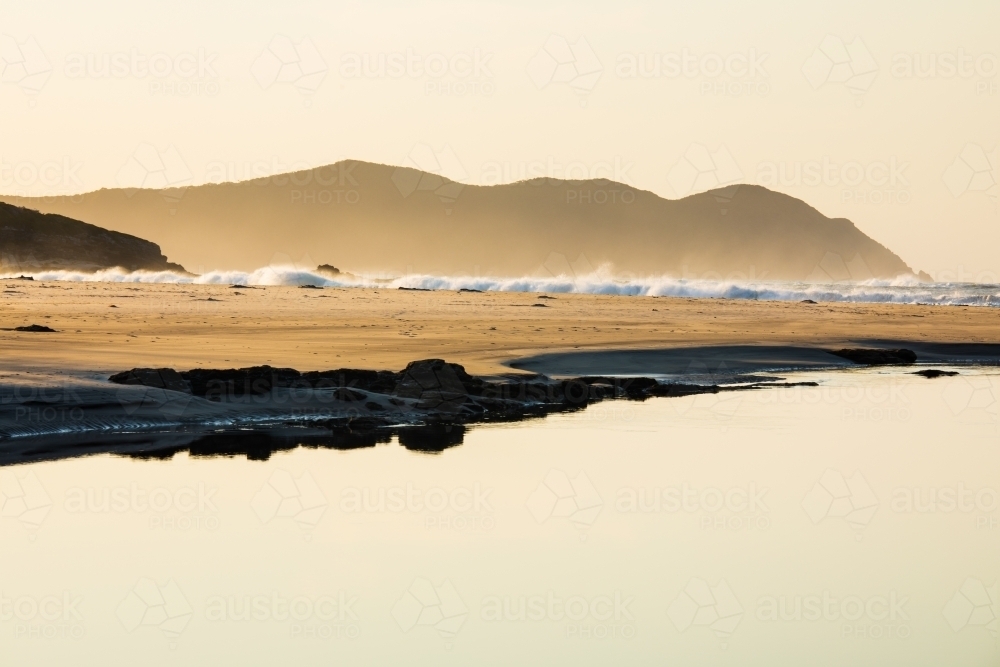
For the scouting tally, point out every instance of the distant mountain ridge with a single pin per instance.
(31, 241)
(370, 217)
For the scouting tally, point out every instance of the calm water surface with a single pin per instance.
(856, 523)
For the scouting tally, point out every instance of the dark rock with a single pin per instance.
(466, 289)
(539, 305)
(35, 328)
(24, 278)
(310, 287)
(373, 406)
(931, 373)
(437, 374)
(876, 356)
(807, 301)
(437, 385)
(379, 382)
(545, 296)
(160, 378)
(327, 268)
(414, 289)
(255, 381)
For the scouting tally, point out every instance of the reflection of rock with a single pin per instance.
(876, 357)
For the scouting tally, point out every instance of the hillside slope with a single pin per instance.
(377, 218)
(32, 241)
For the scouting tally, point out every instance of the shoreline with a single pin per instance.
(254, 412)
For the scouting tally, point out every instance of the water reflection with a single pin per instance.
(852, 523)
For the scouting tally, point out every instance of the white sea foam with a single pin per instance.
(903, 290)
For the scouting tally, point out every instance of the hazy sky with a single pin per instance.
(887, 113)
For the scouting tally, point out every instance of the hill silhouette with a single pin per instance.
(367, 217)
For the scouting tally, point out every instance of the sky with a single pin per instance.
(887, 113)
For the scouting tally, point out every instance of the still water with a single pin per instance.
(852, 523)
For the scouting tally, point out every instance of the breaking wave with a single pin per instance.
(902, 290)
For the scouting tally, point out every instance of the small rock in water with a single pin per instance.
(931, 373)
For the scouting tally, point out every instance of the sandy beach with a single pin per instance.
(104, 328)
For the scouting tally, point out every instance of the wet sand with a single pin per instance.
(105, 328)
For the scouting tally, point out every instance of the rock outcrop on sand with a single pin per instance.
(35, 328)
(31, 241)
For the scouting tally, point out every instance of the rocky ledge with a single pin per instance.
(427, 403)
